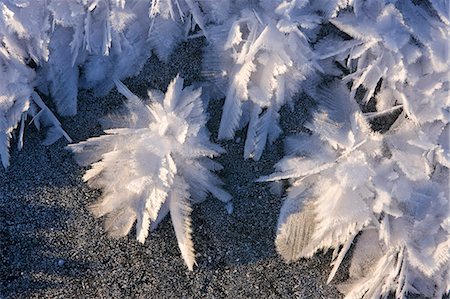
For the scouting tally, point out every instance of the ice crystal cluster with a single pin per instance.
(154, 161)
(369, 178)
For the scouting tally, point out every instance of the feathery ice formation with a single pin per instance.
(155, 161)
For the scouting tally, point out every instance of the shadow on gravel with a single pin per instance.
(29, 258)
(34, 219)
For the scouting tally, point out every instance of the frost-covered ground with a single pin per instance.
(369, 178)
(52, 247)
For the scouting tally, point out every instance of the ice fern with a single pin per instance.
(173, 21)
(44, 45)
(156, 160)
(93, 43)
(330, 172)
(23, 45)
(383, 194)
(392, 60)
(348, 180)
(258, 63)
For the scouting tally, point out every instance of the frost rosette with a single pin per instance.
(258, 63)
(154, 161)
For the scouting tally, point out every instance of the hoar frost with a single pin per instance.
(369, 180)
(155, 161)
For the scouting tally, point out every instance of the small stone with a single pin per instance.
(61, 262)
(229, 208)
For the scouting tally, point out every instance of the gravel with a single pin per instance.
(52, 247)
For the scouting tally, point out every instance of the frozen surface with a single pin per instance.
(52, 247)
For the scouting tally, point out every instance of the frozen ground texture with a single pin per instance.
(367, 169)
(52, 246)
